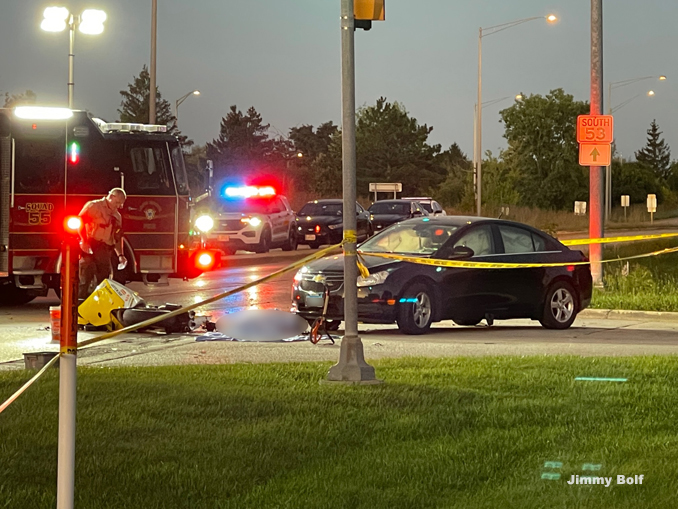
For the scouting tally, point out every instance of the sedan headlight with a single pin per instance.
(377, 278)
(335, 226)
(204, 223)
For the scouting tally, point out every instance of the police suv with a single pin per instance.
(248, 218)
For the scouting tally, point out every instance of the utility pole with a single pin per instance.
(351, 366)
(154, 41)
(596, 174)
(479, 128)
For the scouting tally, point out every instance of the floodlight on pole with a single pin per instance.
(57, 19)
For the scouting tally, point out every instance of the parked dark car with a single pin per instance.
(321, 222)
(416, 295)
(384, 213)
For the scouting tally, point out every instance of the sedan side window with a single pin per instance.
(479, 239)
(516, 240)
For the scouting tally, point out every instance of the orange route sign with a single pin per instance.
(595, 129)
(595, 154)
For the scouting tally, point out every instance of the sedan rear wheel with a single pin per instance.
(415, 315)
(560, 306)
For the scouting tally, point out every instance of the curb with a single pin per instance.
(624, 314)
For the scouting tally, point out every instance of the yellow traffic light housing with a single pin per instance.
(372, 10)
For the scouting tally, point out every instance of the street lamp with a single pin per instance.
(90, 22)
(180, 100)
(610, 111)
(484, 32)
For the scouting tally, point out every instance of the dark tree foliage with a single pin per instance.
(134, 107)
(391, 146)
(12, 100)
(243, 146)
(542, 149)
(656, 154)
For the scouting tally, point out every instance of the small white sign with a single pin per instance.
(625, 200)
(580, 208)
(652, 203)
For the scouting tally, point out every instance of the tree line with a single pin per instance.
(539, 167)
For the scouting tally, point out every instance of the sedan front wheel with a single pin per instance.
(415, 314)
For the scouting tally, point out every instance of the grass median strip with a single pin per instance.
(457, 432)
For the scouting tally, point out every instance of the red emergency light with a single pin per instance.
(204, 260)
(72, 224)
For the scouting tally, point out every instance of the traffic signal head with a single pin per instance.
(74, 152)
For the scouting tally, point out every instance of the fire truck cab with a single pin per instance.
(54, 160)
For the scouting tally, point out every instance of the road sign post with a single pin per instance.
(652, 206)
(625, 200)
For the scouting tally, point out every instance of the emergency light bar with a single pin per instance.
(42, 113)
(249, 192)
(109, 127)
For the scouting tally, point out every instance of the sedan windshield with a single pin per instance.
(321, 209)
(419, 238)
(401, 209)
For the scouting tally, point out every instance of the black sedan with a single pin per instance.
(384, 213)
(321, 222)
(416, 295)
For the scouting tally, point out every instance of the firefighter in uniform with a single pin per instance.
(100, 235)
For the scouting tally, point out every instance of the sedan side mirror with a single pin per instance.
(451, 253)
(462, 252)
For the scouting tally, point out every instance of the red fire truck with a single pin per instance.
(54, 160)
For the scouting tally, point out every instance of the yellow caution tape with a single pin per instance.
(18, 393)
(614, 240)
(490, 265)
(350, 236)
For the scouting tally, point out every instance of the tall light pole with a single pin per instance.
(180, 100)
(518, 97)
(610, 111)
(90, 22)
(484, 32)
(154, 40)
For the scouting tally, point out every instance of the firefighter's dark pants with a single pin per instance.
(95, 267)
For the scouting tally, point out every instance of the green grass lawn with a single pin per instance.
(651, 283)
(440, 433)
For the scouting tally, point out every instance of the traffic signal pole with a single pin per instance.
(596, 173)
(352, 366)
(67, 372)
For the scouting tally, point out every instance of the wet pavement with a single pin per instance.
(25, 329)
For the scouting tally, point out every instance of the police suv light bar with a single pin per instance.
(42, 113)
(249, 191)
(108, 127)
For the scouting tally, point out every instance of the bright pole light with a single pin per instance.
(662, 78)
(519, 97)
(55, 19)
(551, 18)
(196, 92)
(650, 93)
(92, 21)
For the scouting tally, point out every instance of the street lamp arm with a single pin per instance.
(621, 105)
(504, 26)
(619, 84)
(183, 98)
(495, 101)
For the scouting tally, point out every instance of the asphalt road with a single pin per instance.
(24, 329)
